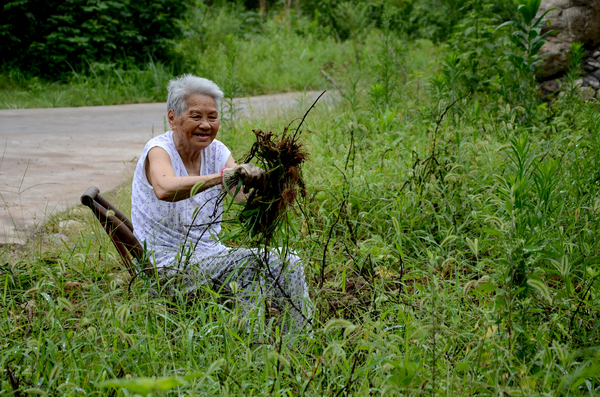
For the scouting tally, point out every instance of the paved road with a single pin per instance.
(48, 157)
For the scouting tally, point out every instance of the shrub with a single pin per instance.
(49, 38)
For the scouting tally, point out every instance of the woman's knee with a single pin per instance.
(293, 260)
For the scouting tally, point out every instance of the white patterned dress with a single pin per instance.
(183, 236)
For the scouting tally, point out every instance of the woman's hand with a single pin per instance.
(252, 176)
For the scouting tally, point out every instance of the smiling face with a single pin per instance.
(198, 125)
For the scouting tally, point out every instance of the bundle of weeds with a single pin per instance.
(282, 158)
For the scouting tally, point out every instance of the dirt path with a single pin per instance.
(48, 157)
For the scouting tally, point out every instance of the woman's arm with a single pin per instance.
(167, 186)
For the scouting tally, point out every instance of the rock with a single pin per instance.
(75, 285)
(574, 21)
(596, 74)
(29, 305)
(596, 54)
(120, 279)
(58, 238)
(69, 224)
(578, 83)
(586, 93)
(592, 82)
(551, 86)
(80, 210)
(593, 63)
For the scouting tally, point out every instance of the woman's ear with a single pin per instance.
(171, 118)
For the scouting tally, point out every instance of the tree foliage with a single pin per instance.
(48, 38)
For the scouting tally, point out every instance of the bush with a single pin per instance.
(349, 19)
(49, 38)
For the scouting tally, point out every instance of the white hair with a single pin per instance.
(183, 86)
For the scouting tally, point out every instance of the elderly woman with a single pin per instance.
(180, 231)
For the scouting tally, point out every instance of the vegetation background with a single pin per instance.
(450, 233)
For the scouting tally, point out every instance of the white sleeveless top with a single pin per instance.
(175, 232)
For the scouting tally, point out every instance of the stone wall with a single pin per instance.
(574, 21)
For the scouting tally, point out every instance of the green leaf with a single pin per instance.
(65, 303)
(278, 357)
(473, 245)
(398, 245)
(533, 33)
(518, 328)
(541, 19)
(49, 299)
(144, 386)
(449, 239)
(238, 188)
(493, 232)
(168, 383)
(463, 366)
(403, 374)
(577, 377)
(513, 24)
(340, 323)
(215, 366)
(536, 48)
(540, 286)
(196, 188)
(485, 288)
(193, 376)
(521, 37)
(39, 392)
(527, 13)
(542, 37)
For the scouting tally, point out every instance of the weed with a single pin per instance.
(231, 86)
(574, 71)
(527, 40)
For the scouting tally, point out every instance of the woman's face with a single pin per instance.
(199, 124)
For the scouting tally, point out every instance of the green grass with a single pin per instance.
(454, 255)
(415, 293)
(101, 85)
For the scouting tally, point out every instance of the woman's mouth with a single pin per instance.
(202, 137)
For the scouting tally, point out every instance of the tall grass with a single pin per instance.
(101, 84)
(451, 256)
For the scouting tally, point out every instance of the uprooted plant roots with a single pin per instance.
(282, 158)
